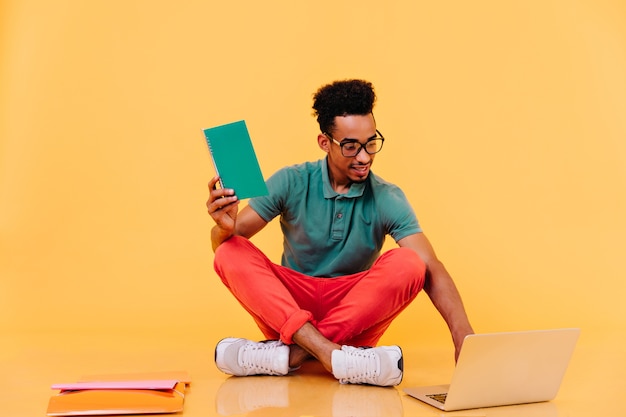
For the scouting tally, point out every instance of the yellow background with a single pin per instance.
(504, 123)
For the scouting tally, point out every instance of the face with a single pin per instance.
(343, 170)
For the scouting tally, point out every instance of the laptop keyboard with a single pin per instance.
(438, 397)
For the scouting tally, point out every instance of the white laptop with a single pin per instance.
(498, 369)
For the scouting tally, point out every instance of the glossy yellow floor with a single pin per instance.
(30, 363)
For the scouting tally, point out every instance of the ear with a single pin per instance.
(323, 142)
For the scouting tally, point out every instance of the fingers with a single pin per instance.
(213, 183)
(219, 198)
(221, 202)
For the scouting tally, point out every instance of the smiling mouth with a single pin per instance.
(361, 169)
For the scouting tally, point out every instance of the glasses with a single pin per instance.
(351, 147)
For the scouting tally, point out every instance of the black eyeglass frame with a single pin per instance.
(361, 145)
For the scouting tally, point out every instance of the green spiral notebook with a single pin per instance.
(234, 159)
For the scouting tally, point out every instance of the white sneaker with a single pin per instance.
(380, 366)
(242, 357)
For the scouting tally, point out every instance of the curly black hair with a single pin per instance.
(342, 98)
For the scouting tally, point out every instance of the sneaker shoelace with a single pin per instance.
(363, 365)
(258, 357)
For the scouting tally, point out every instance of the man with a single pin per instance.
(334, 293)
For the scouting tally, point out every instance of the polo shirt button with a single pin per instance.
(339, 216)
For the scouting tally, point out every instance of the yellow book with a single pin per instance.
(121, 394)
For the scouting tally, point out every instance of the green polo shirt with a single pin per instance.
(327, 234)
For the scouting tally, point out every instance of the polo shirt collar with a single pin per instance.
(356, 189)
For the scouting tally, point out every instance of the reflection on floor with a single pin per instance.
(318, 395)
(312, 391)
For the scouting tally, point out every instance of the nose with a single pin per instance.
(363, 157)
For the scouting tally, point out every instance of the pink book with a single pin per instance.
(155, 384)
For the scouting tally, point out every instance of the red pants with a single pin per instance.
(349, 310)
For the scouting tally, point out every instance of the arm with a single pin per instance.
(441, 289)
(223, 206)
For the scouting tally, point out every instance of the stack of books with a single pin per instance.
(153, 393)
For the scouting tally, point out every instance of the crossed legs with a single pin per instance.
(316, 316)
